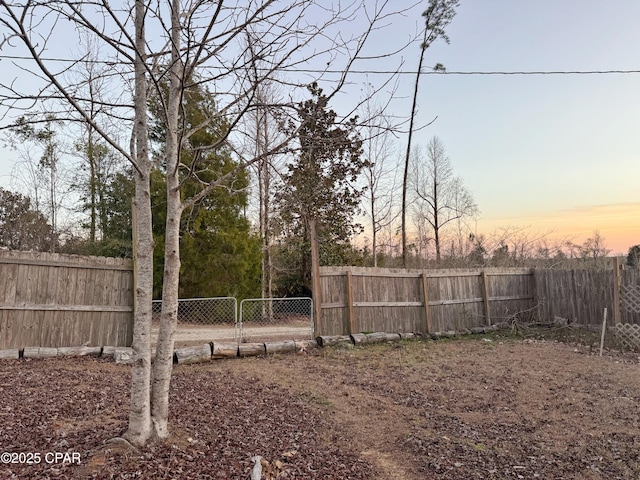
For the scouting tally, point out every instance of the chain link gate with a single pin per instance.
(263, 319)
(202, 320)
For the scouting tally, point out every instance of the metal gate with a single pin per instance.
(264, 319)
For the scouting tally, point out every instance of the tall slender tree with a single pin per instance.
(381, 205)
(437, 17)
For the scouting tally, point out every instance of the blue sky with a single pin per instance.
(553, 152)
(557, 153)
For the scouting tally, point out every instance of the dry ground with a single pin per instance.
(462, 409)
(194, 334)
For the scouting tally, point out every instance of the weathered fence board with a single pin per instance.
(579, 296)
(396, 300)
(56, 300)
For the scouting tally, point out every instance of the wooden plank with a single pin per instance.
(617, 285)
(315, 277)
(425, 301)
(63, 263)
(8, 279)
(334, 305)
(388, 304)
(68, 308)
(514, 297)
(49, 329)
(400, 273)
(350, 310)
(525, 273)
(484, 288)
(455, 301)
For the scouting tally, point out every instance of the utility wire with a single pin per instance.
(369, 72)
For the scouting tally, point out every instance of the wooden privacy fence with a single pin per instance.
(356, 299)
(580, 296)
(56, 300)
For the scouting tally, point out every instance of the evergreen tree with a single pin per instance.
(22, 227)
(219, 254)
(319, 186)
(633, 257)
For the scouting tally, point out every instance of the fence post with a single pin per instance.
(425, 296)
(617, 286)
(484, 286)
(350, 312)
(315, 278)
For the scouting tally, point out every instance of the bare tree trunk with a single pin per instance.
(264, 187)
(374, 238)
(92, 185)
(267, 214)
(316, 288)
(139, 430)
(436, 209)
(171, 277)
(405, 253)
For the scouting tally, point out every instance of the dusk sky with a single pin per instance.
(554, 152)
(557, 153)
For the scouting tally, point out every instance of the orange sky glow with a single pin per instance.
(618, 223)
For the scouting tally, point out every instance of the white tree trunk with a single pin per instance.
(171, 275)
(139, 429)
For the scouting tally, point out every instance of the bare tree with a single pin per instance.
(97, 160)
(194, 43)
(380, 175)
(594, 251)
(437, 17)
(263, 133)
(43, 167)
(441, 197)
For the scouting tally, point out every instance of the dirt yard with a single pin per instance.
(463, 409)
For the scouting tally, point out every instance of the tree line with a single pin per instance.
(226, 250)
